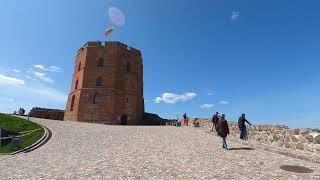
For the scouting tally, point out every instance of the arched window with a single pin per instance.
(76, 85)
(79, 66)
(72, 103)
(100, 62)
(96, 99)
(128, 67)
(99, 81)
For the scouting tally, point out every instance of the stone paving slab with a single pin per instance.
(93, 151)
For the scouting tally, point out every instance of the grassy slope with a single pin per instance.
(16, 124)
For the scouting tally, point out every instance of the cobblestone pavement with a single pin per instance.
(93, 151)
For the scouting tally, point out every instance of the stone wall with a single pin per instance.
(305, 139)
(47, 113)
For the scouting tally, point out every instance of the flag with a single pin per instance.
(109, 31)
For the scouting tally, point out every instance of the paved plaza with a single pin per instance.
(93, 151)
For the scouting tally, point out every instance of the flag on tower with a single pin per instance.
(109, 31)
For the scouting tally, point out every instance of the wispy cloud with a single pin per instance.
(20, 91)
(29, 77)
(55, 69)
(39, 66)
(43, 77)
(235, 15)
(49, 69)
(211, 93)
(16, 70)
(47, 93)
(224, 102)
(171, 98)
(206, 106)
(7, 80)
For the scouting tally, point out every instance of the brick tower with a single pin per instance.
(107, 85)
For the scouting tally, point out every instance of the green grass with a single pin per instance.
(18, 125)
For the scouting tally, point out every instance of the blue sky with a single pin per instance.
(257, 57)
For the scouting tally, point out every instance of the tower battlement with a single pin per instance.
(109, 43)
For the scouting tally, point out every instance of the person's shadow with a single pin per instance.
(242, 148)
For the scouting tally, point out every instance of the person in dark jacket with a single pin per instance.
(241, 123)
(223, 130)
(215, 120)
(185, 120)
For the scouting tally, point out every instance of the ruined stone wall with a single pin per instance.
(305, 139)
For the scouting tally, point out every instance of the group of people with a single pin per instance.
(220, 124)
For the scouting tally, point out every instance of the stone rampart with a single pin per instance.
(305, 139)
(55, 114)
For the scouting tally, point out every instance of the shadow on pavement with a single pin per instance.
(242, 148)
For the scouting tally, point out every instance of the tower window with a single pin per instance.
(72, 103)
(79, 66)
(76, 86)
(96, 99)
(127, 100)
(128, 67)
(100, 62)
(99, 81)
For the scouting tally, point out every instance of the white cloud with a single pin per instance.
(49, 69)
(47, 93)
(158, 100)
(116, 16)
(171, 98)
(39, 66)
(29, 77)
(16, 70)
(206, 106)
(235, 15)
(16, 92)
(6, 80)
(30, 95)
(224, 102)
(55, 69)
(43, 76)
(211, 94)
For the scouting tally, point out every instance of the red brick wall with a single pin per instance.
(121, 92)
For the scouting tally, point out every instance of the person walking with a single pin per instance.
(185, 121)
(215, 120)
(223, 130)
(242, 126)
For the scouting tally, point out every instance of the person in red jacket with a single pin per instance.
(223, 130)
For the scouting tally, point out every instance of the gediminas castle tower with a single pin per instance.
(107, 85)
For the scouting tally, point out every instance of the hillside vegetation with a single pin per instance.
(29, 131)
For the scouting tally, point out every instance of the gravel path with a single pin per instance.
(93, 151)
